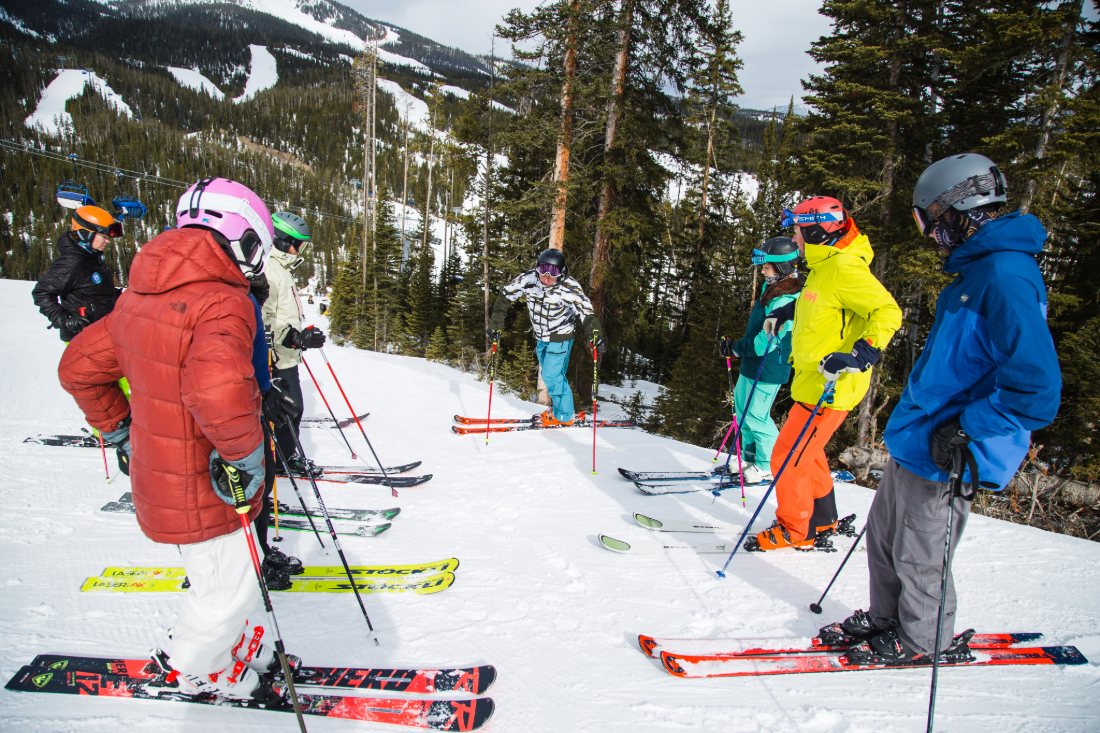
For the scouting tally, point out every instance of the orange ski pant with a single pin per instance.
(806, 476)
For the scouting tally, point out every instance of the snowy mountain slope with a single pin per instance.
(194, 79)
(534, 595)
(50, 114)
(262, 74)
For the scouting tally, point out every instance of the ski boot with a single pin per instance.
(261, 657)
(236, 682)
(888, 648)
(300, 468)
(547, 420)
(287, 563)
(858, 627)
(775, 537)
(276, 578)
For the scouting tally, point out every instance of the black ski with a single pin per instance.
(326, 422)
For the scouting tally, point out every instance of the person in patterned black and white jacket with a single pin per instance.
(555, 303)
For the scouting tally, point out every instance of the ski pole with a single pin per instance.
(336, 542)
(103, 447)
(595, 390)
(816, 607)
(748, 402)
(954, 485)
(243, 508)
(289, 475)
(824, 394)
(492, 376)
(381, 466)
(353, 456)
(733, 407)
(740, 468)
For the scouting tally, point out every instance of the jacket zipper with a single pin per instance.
(843, 323)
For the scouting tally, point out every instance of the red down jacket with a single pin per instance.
(182, 335)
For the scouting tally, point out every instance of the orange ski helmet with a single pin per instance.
(91, 220)
(821, 217)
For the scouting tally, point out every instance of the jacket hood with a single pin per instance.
(179, 257)
(852, 244)
(1009, 233)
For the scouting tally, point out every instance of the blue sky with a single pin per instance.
(777, 35)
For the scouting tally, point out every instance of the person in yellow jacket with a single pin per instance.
(843, 319)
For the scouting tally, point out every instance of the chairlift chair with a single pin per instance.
(128, 207)
(72, 195)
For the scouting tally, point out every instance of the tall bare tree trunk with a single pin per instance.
(607, 193)
(374, 184)
(561, 164)
(405, 184)
(488, 182)
(706, 178)
(1046, 120)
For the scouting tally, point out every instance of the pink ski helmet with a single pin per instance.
(234, 211)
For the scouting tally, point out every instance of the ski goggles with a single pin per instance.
(759, 257)
(113, 230)
(545, 268)
(789, 218)
(922, 220)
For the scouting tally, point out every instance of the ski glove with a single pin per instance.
(120, 439)
(778, 317)
(279, 407)
(247, 473)
(725, 348)
(493, 333)
(73, 322)
(600, 344)
(259, 288)
(945, 439)
(307, 338)
(861, 359)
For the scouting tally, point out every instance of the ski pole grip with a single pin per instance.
(234, 477)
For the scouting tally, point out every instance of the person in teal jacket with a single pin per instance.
(782, 284)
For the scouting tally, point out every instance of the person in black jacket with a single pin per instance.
(79, 288)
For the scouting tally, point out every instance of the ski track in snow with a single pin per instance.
(194, 79)
(534, 595)
(263, 73)
(50, 114)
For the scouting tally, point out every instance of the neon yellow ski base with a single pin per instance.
(419, 585)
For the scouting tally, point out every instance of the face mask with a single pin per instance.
(955, 227)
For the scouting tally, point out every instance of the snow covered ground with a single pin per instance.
(535, 595)
(50, 114)
(195, 79)
(262, 74)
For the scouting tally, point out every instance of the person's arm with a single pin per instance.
(860, 292)
(218, 383)
(1028, 384)
(510, 293)
(260, 350)
(50, 287)
(89, 372)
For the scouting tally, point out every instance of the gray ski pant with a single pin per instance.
(906, 529)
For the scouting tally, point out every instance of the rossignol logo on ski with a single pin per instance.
(60, 665)
(42, 680)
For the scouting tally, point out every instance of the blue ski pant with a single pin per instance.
(553, 357)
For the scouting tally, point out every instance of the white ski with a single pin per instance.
(655, 547)
(683, 525)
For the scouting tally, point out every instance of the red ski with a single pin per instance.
(459, 715)
(681, 665)
(653, 646)
(474, 680)
(528, 425)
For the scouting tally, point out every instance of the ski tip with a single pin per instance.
(483, 710)
(648, 522)
(672, 665)
(455, 429)
(625, 473)
(486, 676)
(613, 544)
(648, 644)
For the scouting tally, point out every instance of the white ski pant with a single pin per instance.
(223, 592)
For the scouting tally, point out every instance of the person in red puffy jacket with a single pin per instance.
(182, 333)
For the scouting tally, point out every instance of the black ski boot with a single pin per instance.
(858, 627)
(275, 578)
(287, 563)
(889, 648)
(300, 467)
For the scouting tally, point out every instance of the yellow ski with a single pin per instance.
(318, 572)
(420, 585)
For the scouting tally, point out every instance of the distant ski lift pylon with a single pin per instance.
(71, 194)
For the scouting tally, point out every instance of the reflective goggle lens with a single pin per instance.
(115, 230)
(786, 219)
(758, 257)
(918, 217)
(546, 268)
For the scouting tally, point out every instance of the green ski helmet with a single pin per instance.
(290, 230)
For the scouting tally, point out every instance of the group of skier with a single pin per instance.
(208, 302)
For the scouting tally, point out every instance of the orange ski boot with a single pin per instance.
(775, 537)
(549, 421)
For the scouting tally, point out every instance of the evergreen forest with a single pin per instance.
(609, 129)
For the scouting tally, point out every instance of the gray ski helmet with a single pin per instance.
(290, 230)
(961, 182)
(555, 258)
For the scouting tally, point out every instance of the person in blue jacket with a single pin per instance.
(987, 377)
(778, 258)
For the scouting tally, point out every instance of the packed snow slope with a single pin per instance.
(535, 595)
(50, 115)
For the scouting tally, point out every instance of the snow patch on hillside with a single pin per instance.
(263, 74)
(195, 79)
(50, 115)
(416, 109)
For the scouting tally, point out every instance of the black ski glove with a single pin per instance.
(725, 348)
(307, 338)
(73, 322)
(945, 439)
(493, 333)
(279, 407)
(775, 320)
(120, 439)
(861, 359)
(259, 288)
(600, 344)
(235, 482)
